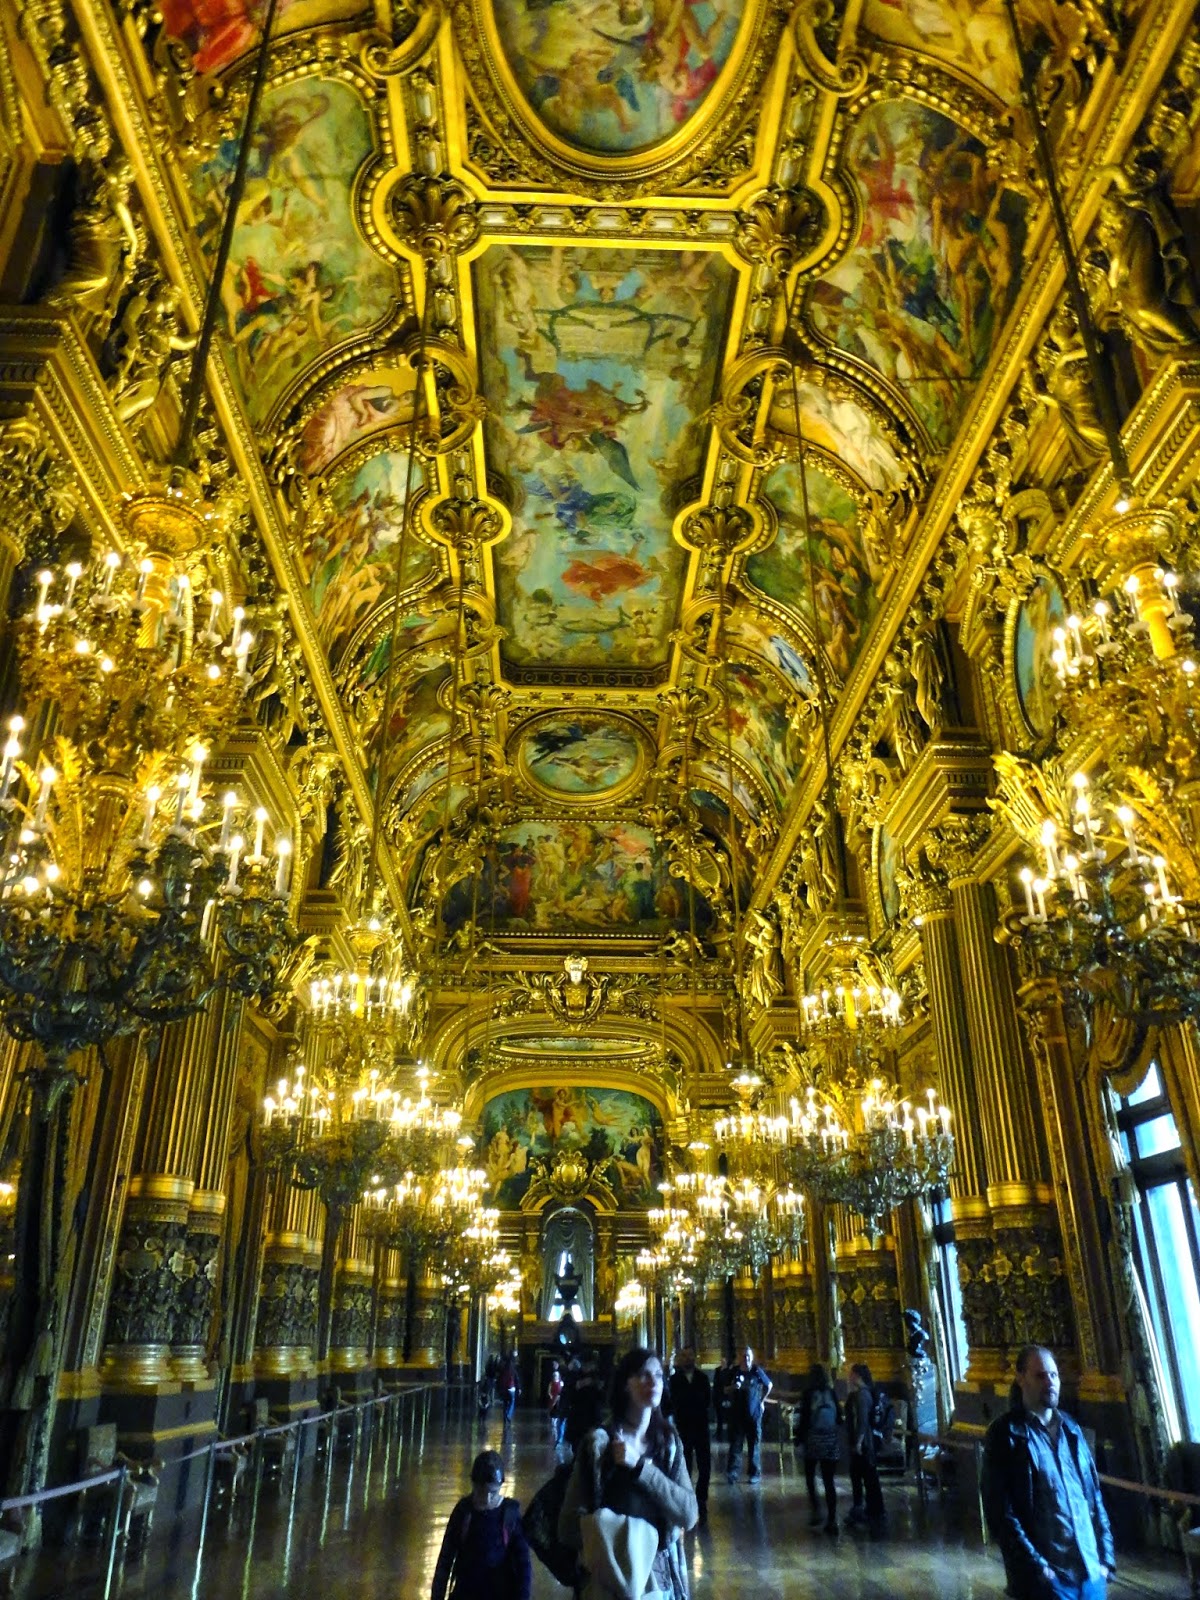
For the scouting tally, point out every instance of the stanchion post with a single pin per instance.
(118, 1508)
(210, 1473)
(983, 1527)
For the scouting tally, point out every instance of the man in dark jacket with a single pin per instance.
(1041, 1493)
(749, 1387)
(691, 1398)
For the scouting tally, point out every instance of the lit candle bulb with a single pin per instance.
(182, 588)
(153, 795)
(1101, 612)
(1039, 889)
(111, 562)
(74, 573)
(1050, 846)
(12, 751)
(229, 802)
(1160, 872)
(47, 779)
(1027, 881)
(241, 652)
(283, 849)
(183, 786)
(260, 827)
(145, 568)
(215, 601)
(235, 850)
(44, 579)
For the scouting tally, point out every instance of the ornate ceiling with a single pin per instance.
(567, 281)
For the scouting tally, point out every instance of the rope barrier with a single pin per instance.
(1150, 1491)
(83, 1485)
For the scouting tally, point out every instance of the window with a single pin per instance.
(952, 1328)
(1166, 1239)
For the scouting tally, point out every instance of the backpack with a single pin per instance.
(823, 1413)
(541, 1527)
(883, 1416)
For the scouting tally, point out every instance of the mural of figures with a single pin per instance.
(300, 279)
(580, 755)
(617, 75)
(760, 710)
(759, 633)
(888, 858)
(525, 1129)
(217, 32)
(351, 556)
(842, 427)
(843, 578)
(574, 875)
(974, 39)
(1033, 647)
(922, 295)
(375, 401)
(596, 367)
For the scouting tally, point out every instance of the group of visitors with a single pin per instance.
(621, 1507)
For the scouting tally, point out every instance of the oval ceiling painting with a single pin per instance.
(578, 757)
(617, 76)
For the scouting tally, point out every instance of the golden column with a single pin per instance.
(389, 1316)
(152, 1261)
(353, 1300)
(931, 907)
(286, 1327)
(869, 1303)
(1020, 1294)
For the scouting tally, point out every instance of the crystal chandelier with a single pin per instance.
(120, 904)
(477, 1264)
(855, 1007)
(871, 1151)
(630, 1303)
(422, 1215)
(1108, 914)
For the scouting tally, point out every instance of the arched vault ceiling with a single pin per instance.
(528, 308)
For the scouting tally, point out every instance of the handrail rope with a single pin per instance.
(1149, 1490)
(84, 1485)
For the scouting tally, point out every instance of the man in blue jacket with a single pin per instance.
(1041, 1493)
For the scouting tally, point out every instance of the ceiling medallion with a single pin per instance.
(577, 758)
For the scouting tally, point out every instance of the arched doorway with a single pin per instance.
(567, 1233)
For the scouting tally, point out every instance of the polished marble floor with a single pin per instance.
(370, 1530)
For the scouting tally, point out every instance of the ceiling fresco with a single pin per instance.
(613, 222)
(933, 272)
(597, 367)
(831, 569)
(350, 555)
(548, 875)
(301, 279)
(619, 75)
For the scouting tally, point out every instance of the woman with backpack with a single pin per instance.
(861, 1409)
(817, 1432)
(484, 1554)
(630, 1497)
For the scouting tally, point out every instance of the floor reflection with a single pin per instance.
(370, 1529)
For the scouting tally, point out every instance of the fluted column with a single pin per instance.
(353, 1300)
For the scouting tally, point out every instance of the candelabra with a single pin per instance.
(118, 906)
(855, 1008)
(422, 1216)
(750, 1139)
(630, 1303)
(1105, 914)
(870, 1152)
(477, 1264)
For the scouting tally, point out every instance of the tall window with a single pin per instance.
(953, 1329)
(1166, 1222)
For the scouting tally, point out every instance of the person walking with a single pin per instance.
(556, 1403)
(586, 1400)
(484, 1554)
(1041, 1493)
(817, 1432)
(509, 1385)
(720, 1395)
(749, 1387)
(865, 1492)
(635, 1467)
(691, 1400)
